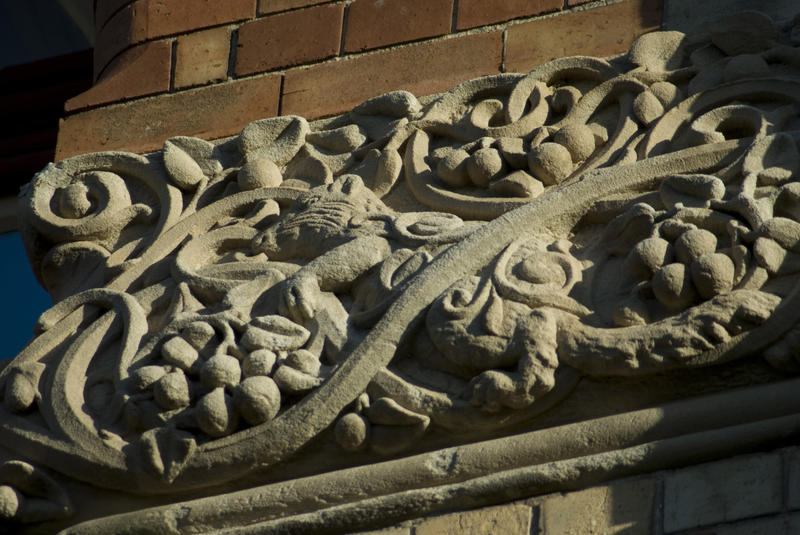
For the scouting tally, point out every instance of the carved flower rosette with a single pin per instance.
(411, 269)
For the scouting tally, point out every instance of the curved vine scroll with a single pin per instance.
(406, 270)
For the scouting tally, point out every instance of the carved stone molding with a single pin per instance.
(421, 302)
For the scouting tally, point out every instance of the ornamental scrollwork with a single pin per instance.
(451, 266)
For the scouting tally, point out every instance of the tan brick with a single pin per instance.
(601, 32)
(793, 460)
(289, 39)
(334, 87)
(209, 112)
(503, 520)
(473, 13)
(105, 8)
(126, 27)
(202, 57)
(772, 525)
(372, 23)
(621, 507)
(722, 491)
(273, 6)
(166, 17)
(387, 531)
(139, 71)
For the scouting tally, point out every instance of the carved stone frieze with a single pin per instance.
(521, 252)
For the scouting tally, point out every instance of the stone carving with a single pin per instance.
(447, 267)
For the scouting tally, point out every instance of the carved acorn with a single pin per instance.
(351, 431)
(11, 501)
(220, 371)
(452, 169)
(74, 201)
(550, 162)
(712, 274)
(143, 378)
(672, 286)
(257, 399)
(693, 244)
(648, 255)
(259, 172)
(215, 414)
(172, 391)
(258, 362)
(20, 392)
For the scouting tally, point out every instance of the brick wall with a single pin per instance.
(744, 495)
(206, 68)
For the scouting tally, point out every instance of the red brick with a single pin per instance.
(273, 6)
(142, 125)
(127, 26)
(601, 32)
(421, 68)
(376, 23)
(473, 13)
(166, 17)
(289, 39)
(202, 57)
(141, 70)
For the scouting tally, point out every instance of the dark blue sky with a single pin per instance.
(24, 299)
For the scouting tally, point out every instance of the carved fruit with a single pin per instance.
(257, 399)
(215, 414)
(648, 255)
(172, 391)
(517, 184)
(578, 139)
(647, 107)
(275, 333)
(220, 371)
(484, 166)
(294, 381)
(351, 431)
(259, 362)
(20, 392)
(693, 244)
(712, 274)
(550, 162)
(690, 190)
(142, 378)
(10, 502)
(452, 169)
(304, 360)
(74, 201)
(198, 334)
(259, 173)
(180, 353)
(673, 287)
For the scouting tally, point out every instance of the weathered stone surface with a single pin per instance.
(507, 519)
(621, 507)
(728, 490)
(423, 306)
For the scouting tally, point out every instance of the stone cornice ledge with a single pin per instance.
(418, 306)
(483, 473)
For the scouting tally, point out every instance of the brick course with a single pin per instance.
(372, 24)
(316, 33)
(419, 69)
(209, 112)
(139, 71)
(473, 13)
(273, 6)
(202, 57)
(601, 32)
